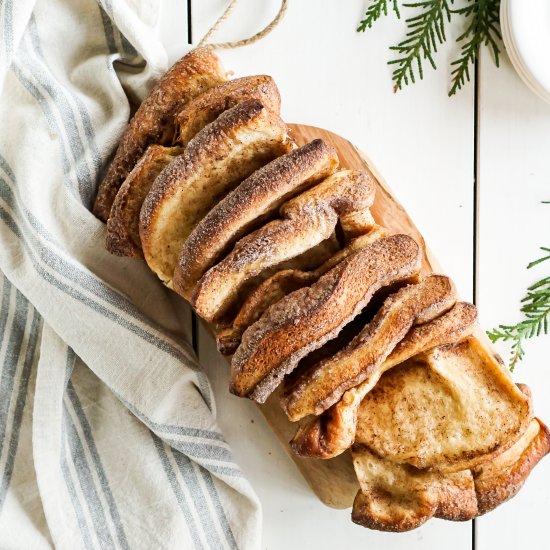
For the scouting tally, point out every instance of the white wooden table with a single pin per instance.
(472, 172)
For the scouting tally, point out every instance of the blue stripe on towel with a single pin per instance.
(49, 92)
(178, 491)
(15, 376)
(188, 473)
(98, 465)
(14, 335)
(64, 465)
(215, 497)
(85, 117)
(86, 481)
(8, 28)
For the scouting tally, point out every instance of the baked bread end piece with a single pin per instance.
(153, 122)
(123, 224)
(398, 497)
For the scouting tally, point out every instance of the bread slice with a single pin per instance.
(322, 385)
(307, 220)
(471, 410)
(216, 160)
(500, 479)
(204, 109)
(398, 497)
(331, 433)
(279, 285)
(255, 198)
(307, 318)
(303, 263)
(194, 73)
(269, 292)
(123, 224)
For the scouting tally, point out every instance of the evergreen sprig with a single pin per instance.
(536, 310)
(375, 11)
(426, 31)
(483, 29)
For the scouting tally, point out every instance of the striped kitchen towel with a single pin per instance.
(108, 436)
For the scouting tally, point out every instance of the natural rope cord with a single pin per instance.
(245, 41)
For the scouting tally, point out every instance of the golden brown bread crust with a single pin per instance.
(267, 293)
(323, 384)
(123, 224)
(499, 480)
(448, 409)
(308, 219)
(279, 285)
(215, 161)
(353, 244)
(398, 497)
(205, 108)
(331, 433)
(307, 318)
(194, 73)
(303, 263)
(256, 197)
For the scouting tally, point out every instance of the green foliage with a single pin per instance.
(536, 310)
(426, 31)
(375, 11)
(482, 29)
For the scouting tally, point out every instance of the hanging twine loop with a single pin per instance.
(245, 41)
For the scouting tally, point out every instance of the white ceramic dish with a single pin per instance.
(526, 34)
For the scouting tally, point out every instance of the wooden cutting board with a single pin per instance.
(333, 481)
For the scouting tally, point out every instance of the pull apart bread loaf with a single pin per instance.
(324, 310)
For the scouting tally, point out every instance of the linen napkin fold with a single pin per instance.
(108, 436)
